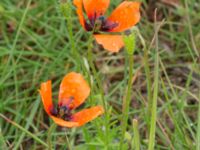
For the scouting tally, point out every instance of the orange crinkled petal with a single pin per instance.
(126, 15)
(46, 95)
(79, 11)
(87, 115)
(112, 43)
(64, 123)
(73, 85)
(95, 7)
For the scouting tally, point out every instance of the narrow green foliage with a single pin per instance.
(2, 142)
(43, 40)
(24, 130)
(30, 119)
(155, 93)
(49, 135)
(154, 107)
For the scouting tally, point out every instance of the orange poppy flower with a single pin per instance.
(73, 92)
(122, 18)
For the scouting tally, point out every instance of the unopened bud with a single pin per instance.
(129, 41)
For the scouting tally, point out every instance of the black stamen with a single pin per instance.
(67, 117)
(107, 26)
(99, 23)
(62, 111)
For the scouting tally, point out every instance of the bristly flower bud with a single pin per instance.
(66, 8)
(129, 42)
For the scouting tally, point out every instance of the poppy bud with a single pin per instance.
(129, 41)
(65, 8)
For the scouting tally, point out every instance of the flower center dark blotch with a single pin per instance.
(62, 111)
(99, 24)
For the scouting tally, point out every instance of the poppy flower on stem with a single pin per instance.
(122, 18)
(73, 92)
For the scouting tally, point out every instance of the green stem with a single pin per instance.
(66, 9)
(90, 56)
(148, 76)
(149, 84)
(154, 108)
(126, 102)
(100, 86)
(155, 94)
(136, 138)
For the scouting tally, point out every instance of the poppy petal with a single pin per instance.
(87, 115)
(112, 43)
(73, 90)
(79, 11)
(46, 95)
(64, 123)
(95, 8)
(125, 15)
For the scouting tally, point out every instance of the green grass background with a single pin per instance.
(38, 42)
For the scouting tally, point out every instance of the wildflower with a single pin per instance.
(73, 92)
(122, 18)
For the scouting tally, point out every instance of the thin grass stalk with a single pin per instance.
(194, 47)
(149, 83)
(147, 74)
(18, 32)
(11, 58)
(155, 94)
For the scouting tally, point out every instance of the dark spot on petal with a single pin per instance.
(54, 111)
(99, 23)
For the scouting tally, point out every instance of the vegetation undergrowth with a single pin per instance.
(151, 97)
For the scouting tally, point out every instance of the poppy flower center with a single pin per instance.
(62, 111)
(99, 23)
